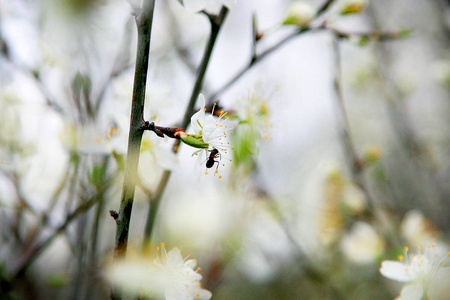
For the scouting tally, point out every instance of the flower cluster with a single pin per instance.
(417, 271)
(168, 276)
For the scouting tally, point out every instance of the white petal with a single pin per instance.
(174, 257)
(394, 270)
(204, 294)
(201, 101)
(191, 263)
(199, 117)
(412, 292)
(136, 276)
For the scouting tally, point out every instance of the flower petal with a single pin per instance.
(203, 294)
(198, 119)
(394, 270)
(412, 292)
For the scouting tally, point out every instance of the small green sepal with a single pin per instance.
(195, 141)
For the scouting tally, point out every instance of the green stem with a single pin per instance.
(216, 24)
(144, 20)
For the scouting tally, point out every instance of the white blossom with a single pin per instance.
(213, 131)
(363, 244)
(169, 276)
(416, 271)
(299, 13)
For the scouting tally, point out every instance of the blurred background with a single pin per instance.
(341, 158)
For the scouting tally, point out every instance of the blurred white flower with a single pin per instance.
(213, 5)
(210, 204)
(363, 244)
(299, 13)
(417, 229)
(417, 271)
(212, 131)
(354, 200)
(353, 6)
(88, 139)
(154, 159)
(441, 72)
(169, 276)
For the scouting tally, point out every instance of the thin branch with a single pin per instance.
(144, 19)
(257, 58)
(31, 253)
(254, 60)
(324, 7)
(215, 28)
(216, 24)
(354, 162)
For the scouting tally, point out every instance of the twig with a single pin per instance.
(102, 185)
(31, 253)
(324, 7)
(216, 24)
(354, 162)
(256, 59)
(144, 19)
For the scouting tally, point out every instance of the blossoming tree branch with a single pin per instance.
(260, 159)
(210, 133)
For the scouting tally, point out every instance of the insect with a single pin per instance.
(213, 155)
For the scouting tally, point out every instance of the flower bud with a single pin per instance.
(353, 6)
(299, 13)
(372, 154)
